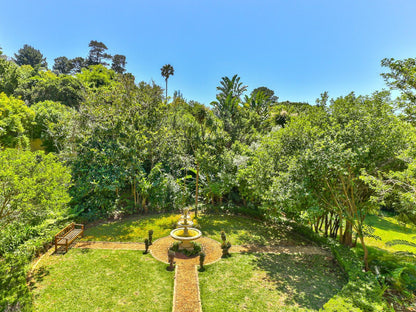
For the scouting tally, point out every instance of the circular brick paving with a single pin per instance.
(212, 249)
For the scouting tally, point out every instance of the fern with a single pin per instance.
(400, 242)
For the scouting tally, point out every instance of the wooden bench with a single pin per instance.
(68, 235)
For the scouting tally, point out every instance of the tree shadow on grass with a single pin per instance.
(308, 280)
(37, 276)
(387, 225)
(251, 231)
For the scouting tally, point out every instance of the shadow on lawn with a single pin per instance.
(37, 276)
(251, 231)
(308, 280)
(387, 225)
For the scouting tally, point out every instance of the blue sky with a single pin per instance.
(297, 48)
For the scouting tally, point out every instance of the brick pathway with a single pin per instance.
(109, 245)
(186, 292)
(211, 247)
(308, 250)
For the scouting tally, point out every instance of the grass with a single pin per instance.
(390, 231)
(269, 282)
(239, 230)
(133, 229)
(393, 256)
(102, 280)
(242, 230)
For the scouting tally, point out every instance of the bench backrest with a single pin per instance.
(67, 229)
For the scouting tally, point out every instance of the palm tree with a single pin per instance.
(167, 71)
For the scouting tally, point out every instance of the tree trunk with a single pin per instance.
(365, 252)
(146, 210)
(327, 220)
(166, 90)
(347, 236)
(196, 191)
(133, 190)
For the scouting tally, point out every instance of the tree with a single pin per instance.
(227, 105)
(396, 189)
(315, 164)
(167, 71)
(259, 104)
(15, 122)
(2, 56)
(402, 77)
(9, 76)
(268, 94)
(119, 63)
(33, 186)
(97, 54)
(97, 76)
(53, 125)
(323, 100)
(62, 65)
(231, 87)
(28, 55)
(77, 64)
(46, 86)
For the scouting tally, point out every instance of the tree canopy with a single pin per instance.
(28, 55)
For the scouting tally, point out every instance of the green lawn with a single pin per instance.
(389, 230)
(269, 282)
(133, 229)
(102, 280)
(239, 230)
(395, 262)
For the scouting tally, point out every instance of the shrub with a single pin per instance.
(18, 246)
(189, 253)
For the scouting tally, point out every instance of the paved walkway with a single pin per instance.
(213, 253)
(186, 297)
(308, 250)
(109, 245)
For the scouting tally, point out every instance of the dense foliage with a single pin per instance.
(129, 148)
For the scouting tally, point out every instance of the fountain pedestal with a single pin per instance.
(185, 232)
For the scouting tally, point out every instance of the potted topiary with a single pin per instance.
(201, 261)
(225, 246)
(223, 237)
(146, 245)
(150, 236)
(171, 259)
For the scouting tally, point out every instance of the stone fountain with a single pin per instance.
(185, 232)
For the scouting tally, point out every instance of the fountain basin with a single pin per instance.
(182, 223)
(186, 236)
